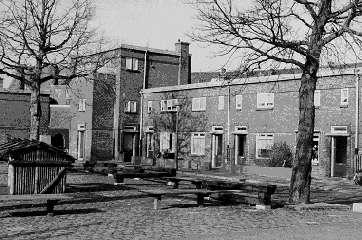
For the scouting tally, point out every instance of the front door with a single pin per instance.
(240, 141)
(340, 156)
(128, 147)
(216, 146)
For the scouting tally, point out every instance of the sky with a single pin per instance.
(156, 24)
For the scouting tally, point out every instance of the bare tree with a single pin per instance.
(182, 119)
(42, 40)
(298, 33)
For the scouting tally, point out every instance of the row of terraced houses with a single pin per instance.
(151, 108)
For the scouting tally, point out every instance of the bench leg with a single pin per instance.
(119, 180)
(50, 207)
(176, 184)
(156, 202)
(200, 199)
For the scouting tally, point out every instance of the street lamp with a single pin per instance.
(176, 133)
(228, 81)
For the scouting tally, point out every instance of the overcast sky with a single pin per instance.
(156, 24)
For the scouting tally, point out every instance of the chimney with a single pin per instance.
(184, 71)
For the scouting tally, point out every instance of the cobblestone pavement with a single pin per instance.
(123, 212)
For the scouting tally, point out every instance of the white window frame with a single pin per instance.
(149, 106)
(221, 103)
(265, 100)
(198, 143)
(82, 105)
(198, 104)
(238, 102)
(132, 63)
(317, 98)
(263, 141)
(344, 96)
(169, 105)
(130, 107)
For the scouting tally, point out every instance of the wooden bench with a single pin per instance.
(253, 193)
(120, 176)
(158, 194)
(198, 182)
(51, 199)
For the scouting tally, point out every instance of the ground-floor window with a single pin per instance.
(264, 141)
(198, 144)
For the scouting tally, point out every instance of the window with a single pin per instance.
(317, 98)
(169, 105)
(198, 144)
(81, 105)
(344, 97)
(199, 104)
(167, 142)
(132, 64)
(265, 100)
(264, 141)
(238, 102)
(131, 107)
(149, 107)
(221, 103)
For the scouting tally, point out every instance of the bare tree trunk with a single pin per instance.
(299, 191)
(35, 112)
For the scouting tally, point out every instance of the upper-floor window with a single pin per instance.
(344, 97)
(169, 105)
(198, 144)
(264, 141)
(132, 64)
(221, 103)
(130, 107)
(81, 105)
(149, 106)
(239, 102)
(265, 100)
(317, 98)
(199, 104)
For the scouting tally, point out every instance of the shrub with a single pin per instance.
(281, 155)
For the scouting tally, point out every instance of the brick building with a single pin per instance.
(98, 118)
(263, 111)
(15, 114)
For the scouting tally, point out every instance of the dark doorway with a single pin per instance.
(58, 141)
(128, 147)
(341, 156)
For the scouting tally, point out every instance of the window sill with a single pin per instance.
(131, 70)
(343, 106)
(196, 155)
(131, 112)
(198, 110)
(264, 109)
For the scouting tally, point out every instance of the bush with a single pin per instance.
(281, 155)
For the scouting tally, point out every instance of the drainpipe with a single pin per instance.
(141, 104)
(357, 114)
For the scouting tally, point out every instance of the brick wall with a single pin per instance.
(15, 114)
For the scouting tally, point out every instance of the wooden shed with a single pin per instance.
(35, 167)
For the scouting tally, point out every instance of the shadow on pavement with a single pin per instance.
(56, 212)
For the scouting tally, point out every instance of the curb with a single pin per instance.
(317, 206)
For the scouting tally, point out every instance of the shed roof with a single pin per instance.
(17, 144)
